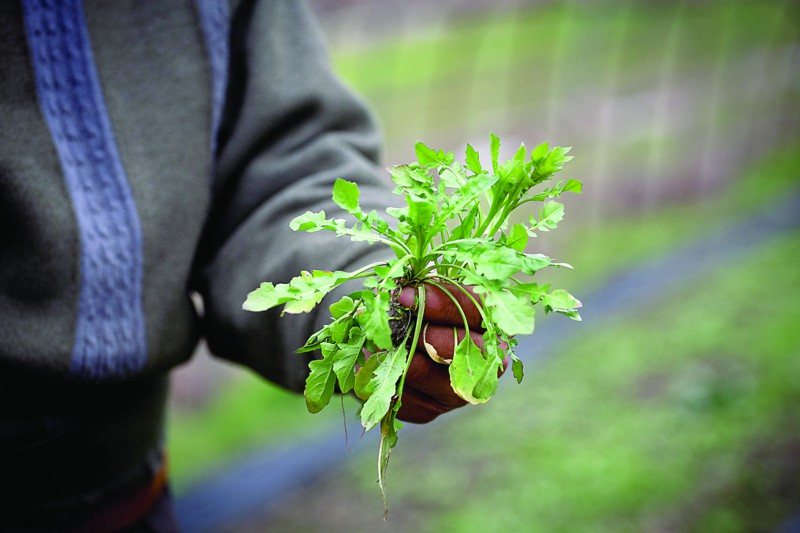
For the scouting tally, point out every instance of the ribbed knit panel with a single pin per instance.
(110, 334)
(215, 19)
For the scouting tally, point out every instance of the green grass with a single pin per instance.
(248, 414)
(657, 419)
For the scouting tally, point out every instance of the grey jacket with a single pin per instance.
(149, 150)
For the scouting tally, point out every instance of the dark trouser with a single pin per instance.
(81, 458)
(142, 508)
(159, 519)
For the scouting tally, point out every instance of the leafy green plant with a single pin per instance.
(454, 233)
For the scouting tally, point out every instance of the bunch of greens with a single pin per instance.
(454, 232)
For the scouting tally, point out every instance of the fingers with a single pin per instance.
(427, 393)
(442, 340)
(418, 408)
(439, 307)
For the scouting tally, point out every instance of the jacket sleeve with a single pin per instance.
(289, 129)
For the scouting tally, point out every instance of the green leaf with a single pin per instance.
(319, 384)
(389, 427)
(465, 198)
(494, 148)
(532, 290)
(420, 214)
(412, 178)
(453, 177)
(517, 237)
(429, 157)
(540, 152)
(547, 165)
(266, 296)
(346, 357)
(534, 262)
(300, 295)
(467, 369)
(364, 386)
(313, 222)
(573, 186)
(375, 319)
(383, 386)
(473, 160)
(513, 314)
(550, 215)
(563, 302)
(346, 194)
(309, 221)
(497, 263)
(342, 307)
(486, 385)
(516, 367)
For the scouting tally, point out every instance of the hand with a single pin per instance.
(427, 392)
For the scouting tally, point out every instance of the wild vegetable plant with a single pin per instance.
(454, 232)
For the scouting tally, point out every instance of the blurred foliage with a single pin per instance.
(246, 415)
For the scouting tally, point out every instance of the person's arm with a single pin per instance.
(289, 129)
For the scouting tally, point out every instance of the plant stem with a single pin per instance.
(415, 340)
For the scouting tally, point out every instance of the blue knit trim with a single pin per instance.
(215, 20)
(110, 337)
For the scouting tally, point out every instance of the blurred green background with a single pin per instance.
(680, 414)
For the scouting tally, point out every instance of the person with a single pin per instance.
(150, 151)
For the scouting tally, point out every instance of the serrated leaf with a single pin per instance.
(517, 237)
(496, 263)
(550, 215)
(383, 386)
(312, 222)
(364, 386)
(420, 213)
(309, 221)
(465, 197)
(513, 314)
(453, 177)
(319, 384)
(532, 290)
(429, 157)
(389, 427)
(346, 195)
(486, 385)
(466, 369)
(375, 319)
(560, 300)
(473, 160)
(516, 368)
(534, 262)
(300, 295)
(266, 296)
(342, 307)
(346, 357)
(540, 152)
(494, 149)
(573, 186)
